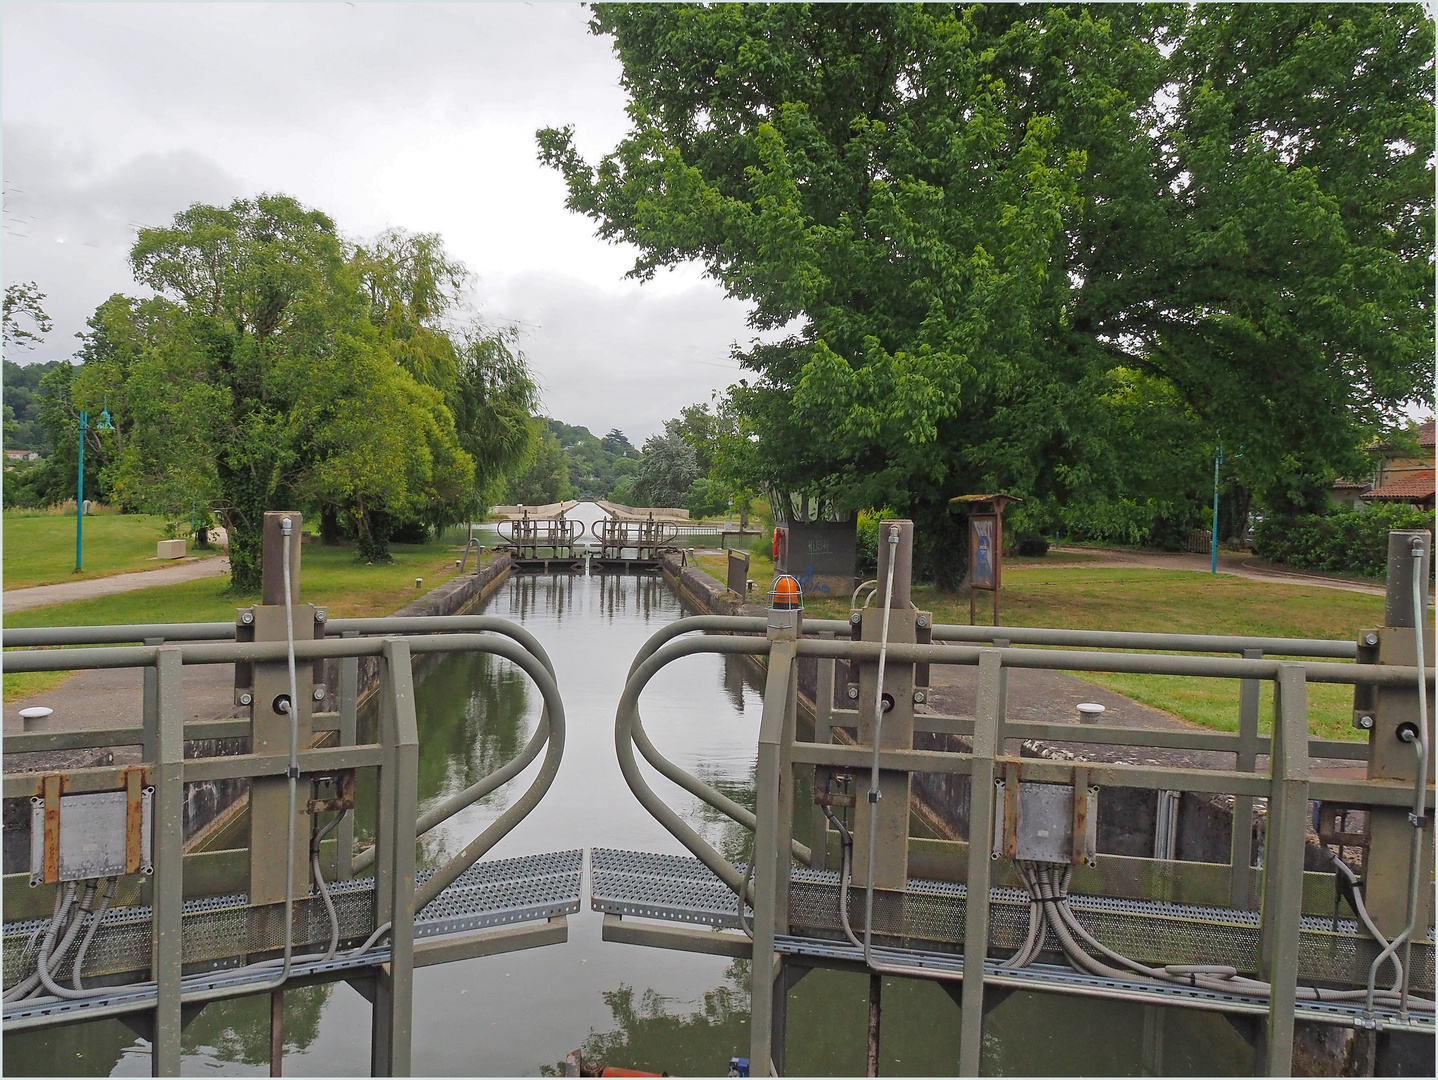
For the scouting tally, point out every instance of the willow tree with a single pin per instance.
(279, 364)
(973, 221)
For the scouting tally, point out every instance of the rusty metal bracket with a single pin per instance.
(134, 820)
(344, 798)
(1012, 773)
(1079, 841)
(51, 784)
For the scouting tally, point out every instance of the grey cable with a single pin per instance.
(90, 934)
(320, 882)
(31, 981)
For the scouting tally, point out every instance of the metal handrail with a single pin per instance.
(626, 718)
(1287, 788)
(661, 649)
(1137, 663)
(1014, 635)
(536, 664)
(713, 797)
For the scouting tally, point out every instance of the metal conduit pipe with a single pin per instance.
(1140, 663)
(690, 783)
(624, 720)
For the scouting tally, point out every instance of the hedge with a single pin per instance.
(1340, 542)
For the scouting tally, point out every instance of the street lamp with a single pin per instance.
(1213, 541)
(103, 424)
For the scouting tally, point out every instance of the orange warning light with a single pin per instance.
(786, 594)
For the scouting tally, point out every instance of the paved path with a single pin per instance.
(187, 570)
(1052, 697)
(1237, 563)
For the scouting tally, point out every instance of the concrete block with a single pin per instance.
(170, 549)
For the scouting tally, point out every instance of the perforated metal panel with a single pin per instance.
(930, 917)
(223, 931)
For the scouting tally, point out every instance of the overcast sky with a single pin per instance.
(118, 116)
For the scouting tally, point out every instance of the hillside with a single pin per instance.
(596, 465)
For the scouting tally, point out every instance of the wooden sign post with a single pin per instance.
(986, 544)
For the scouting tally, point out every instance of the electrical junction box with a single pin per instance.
(1036, 822)
(97, 834)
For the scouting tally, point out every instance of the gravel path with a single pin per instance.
(188, 569)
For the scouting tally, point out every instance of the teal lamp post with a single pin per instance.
(1213, 541)
(103, 424)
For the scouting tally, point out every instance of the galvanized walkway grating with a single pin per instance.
(929, 918)
(221, 931)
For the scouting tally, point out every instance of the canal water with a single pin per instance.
(519, 1014)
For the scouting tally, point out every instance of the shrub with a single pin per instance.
(1031, 545)
(1340, 542)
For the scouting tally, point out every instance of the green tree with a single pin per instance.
(595, 465)
(970, 218)
(260, 375)
(545, 479)
(415, 287)
(24, 304)
(668, 469)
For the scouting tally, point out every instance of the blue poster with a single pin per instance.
(981, 574)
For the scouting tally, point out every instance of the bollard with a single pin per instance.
(34, 717)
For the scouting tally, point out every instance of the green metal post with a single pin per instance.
(823, 733)
(349, 735)
(80, 499)
(771, 884)
(394, 868)
(1213, 542)
(168, 854)
(1283, 867)
(981, 842)
(1001, 741)
(1240, 862)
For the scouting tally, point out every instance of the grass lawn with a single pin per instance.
(1066, 593)
(40, 546)
(329, 576)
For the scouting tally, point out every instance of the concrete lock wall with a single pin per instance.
(822, 555)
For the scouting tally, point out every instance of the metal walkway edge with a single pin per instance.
(219, 931)
(674, 888)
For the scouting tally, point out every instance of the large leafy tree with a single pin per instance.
(974, 221)
(668, 469)
(544, 478)
(278, 363)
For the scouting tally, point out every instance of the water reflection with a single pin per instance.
(519, 1014)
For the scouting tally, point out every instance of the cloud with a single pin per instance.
(70, 219)
(629, 357)
(412, 115)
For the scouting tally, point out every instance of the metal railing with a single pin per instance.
(1288, 786)
(394, 757)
